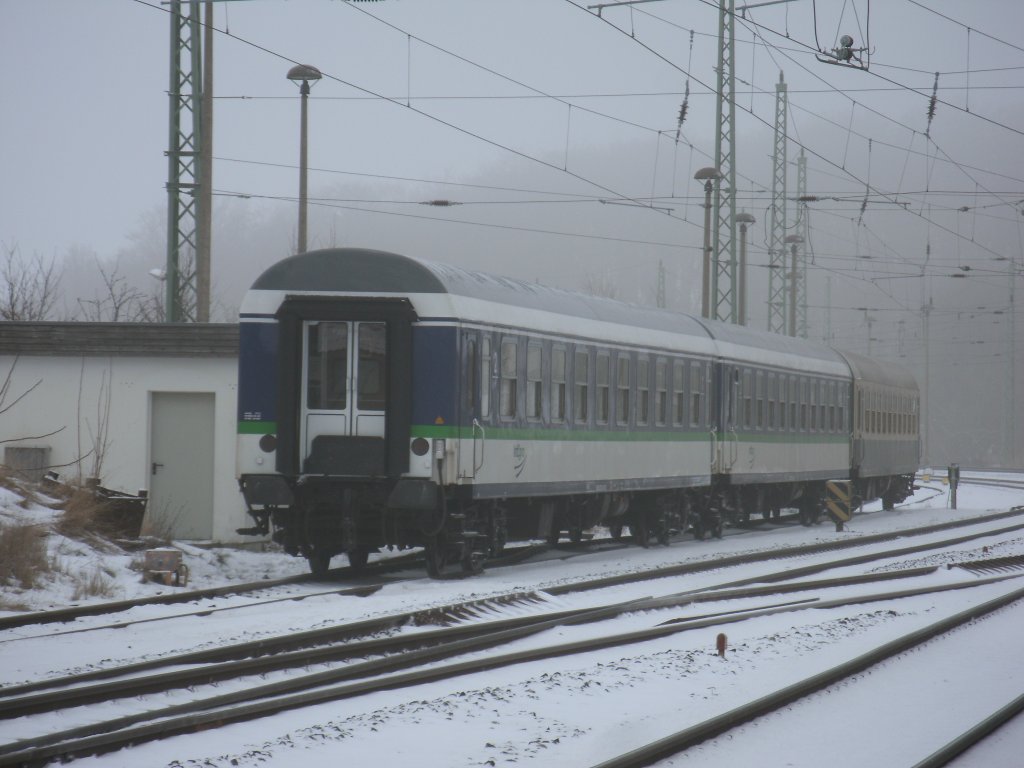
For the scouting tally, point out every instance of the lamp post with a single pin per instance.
(302, 75)
(794, 241)
(706, 175)
(743, 219)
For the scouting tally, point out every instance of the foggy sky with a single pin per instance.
(83, 133)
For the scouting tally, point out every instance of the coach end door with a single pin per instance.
(344, 400)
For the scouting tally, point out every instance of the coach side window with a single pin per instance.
(643, 390)
(509, 372)
(748, 396)
(782, 402)
(678, 393)
(696, 391)
(815, 409)
(840, 410)
(582, 378)
(485, 377)
(760, 399)
(822, 409)
(794, 393)
(831, 406)
(805, 396)
(660, 392)
(622, 387)
(534, 381)
(603, 384)
(557, 384)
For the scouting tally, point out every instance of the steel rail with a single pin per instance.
(364, 590)
(275, 697)
(778, 554)
(715, 726)
(273, 645)
(74, 612)
(29, 700)
(975, 735)
(117, 606)
(434, 615)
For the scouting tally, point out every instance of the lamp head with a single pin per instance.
(304, 73)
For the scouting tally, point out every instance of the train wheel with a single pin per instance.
(575, 534)
(641, 532)
(717, 529)
(436, 555)
(615, 531)
(357, 558)
(319, 562)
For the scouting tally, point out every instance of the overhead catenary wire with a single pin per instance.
(633, 198)
(435, 118)
(762, 120)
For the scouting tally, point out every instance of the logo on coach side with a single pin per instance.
(519, 454)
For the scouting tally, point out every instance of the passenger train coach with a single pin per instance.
(386, 401)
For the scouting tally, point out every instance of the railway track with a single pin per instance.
(365, 678)
(370, 574)
(415, 650)
(686, 738)
(974, 735)
(387, 622)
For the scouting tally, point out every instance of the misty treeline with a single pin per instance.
(82, 284)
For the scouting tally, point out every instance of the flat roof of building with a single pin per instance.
(119, 339)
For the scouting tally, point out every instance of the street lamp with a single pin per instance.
(794, 241)
(302, 75)
(706, 175)
(743, 219)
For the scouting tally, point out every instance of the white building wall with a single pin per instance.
(98, 411)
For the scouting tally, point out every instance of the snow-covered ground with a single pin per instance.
(580, 710)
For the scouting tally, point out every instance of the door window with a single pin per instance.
(327, 366)
(372, 369)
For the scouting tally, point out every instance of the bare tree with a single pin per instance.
(5, 393)
(28, 287)
(119, 300)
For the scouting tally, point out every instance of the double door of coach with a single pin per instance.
(344, 380)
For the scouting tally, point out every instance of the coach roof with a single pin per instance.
(358, 270)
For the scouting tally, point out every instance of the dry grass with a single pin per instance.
(81, 511)
(91, 519)
(23, 556)
(95, 584)
(6, 604)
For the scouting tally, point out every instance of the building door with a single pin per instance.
(344, 380)
(181, 465)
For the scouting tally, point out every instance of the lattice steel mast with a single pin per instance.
(777, 281)
(723, 248)
(183, 174)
